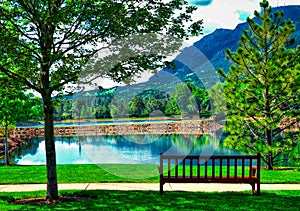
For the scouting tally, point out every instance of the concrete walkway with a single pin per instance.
(211, 187)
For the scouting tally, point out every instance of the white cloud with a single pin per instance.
(229, 13)
(218, 14)
(223, 13)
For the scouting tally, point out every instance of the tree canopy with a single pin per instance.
(16, 106)
(262, 88)
(45, 45)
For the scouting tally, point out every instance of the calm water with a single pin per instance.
(142, 149)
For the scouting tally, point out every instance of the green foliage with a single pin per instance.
(104, 104)
(218, 99)
(137, 107)
(59, 37)
(45, 45)
(189, 100)
(15, 105)
(262, 88)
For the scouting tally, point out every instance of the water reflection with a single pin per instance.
(140, 149)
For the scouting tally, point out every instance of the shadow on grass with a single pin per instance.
(152, 200)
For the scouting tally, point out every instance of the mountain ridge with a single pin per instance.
(214, 48)
(211, 50)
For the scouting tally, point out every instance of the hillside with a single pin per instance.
(213, 45)
(196, 64)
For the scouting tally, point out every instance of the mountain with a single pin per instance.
(213, 46)
(199, 62)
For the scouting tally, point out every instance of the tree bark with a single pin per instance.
(52, 189)
(269, 154)
(6, 146)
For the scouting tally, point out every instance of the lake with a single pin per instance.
(122, 149)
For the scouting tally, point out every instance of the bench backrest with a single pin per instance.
(216, 166)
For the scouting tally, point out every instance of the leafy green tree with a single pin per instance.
(137, 107)
(154, 105)
(262, 87)
(68, 109)
(15, 106)
(218, 99)
(45, 44)
(201, 97)
(119, 108)
(189, 99)
(172, 107)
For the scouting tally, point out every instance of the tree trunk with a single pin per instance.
(6, 146)
(52, 190)
(269, 156)
(269, 137)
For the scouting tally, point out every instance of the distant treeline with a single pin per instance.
(187, 100)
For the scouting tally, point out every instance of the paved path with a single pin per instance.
(211, 187)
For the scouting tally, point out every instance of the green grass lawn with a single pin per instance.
(113, 173)
(152, 200)
(142, 200)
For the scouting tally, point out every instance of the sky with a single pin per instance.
(218, 14)
(228, 13)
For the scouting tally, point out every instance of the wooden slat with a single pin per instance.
(221, 164)
(250, 170)
(243, 168)
(198, 168)
(213, 168)
(205, 171)
(183, 168)
(228, 167)
(207, 178)
(176, 168)
(191, 168)
(258, 165)
(235, 167)
(169, 168)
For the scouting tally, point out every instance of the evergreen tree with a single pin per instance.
(137, 107)
(262, 87)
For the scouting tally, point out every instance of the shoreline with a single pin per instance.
(205, 126)
(85, 122)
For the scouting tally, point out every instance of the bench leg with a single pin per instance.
(161, 187)
(258, 189)
(253, 188)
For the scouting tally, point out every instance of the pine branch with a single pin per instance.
(251, 130)
(284, 128)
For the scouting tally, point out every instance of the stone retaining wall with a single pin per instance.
(186, 127)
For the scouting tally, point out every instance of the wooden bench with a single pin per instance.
(210, 169)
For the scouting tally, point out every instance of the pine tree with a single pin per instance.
(262, 88)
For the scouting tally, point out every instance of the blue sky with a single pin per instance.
(216, 14)
(228, 13)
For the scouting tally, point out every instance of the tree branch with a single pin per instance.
(19, 78)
